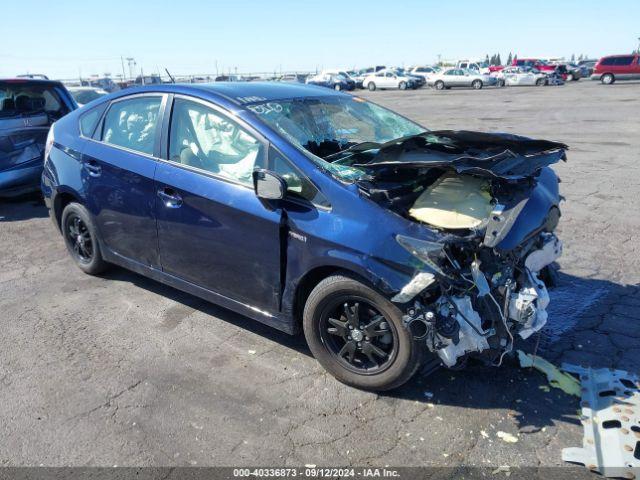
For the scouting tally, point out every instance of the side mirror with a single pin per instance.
(268, 185)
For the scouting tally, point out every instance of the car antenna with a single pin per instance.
(170, 77)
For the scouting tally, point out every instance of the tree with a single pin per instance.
(486, 58)
(573, 57)
(509, 59)
(493, 60)
(498, 60)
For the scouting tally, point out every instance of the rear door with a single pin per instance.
(212, 229)
(118, 171)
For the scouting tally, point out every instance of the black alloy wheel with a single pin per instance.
(358, 335)
(79, 238)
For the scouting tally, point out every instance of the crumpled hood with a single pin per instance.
(500, 155)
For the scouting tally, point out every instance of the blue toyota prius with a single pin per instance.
(388, 244)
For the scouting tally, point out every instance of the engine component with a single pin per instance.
(469, 324)
(454, 201)
(550, 251)
(528, 306)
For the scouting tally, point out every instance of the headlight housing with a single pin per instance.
(427, 252)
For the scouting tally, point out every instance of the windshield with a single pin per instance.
(85, 96)
(322, 127)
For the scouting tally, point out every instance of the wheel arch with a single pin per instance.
(60, 201)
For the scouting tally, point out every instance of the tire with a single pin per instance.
(337, 87)
(607, 79)
(333, 307)
(439, 85)
(540, 82)
(501, 82)
(371, 86)
(476, 84)
(570, 77)
(402, 85)
(81, 239)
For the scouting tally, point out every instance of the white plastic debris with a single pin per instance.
(507, 437)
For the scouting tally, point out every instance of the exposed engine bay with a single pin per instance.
(481, 282)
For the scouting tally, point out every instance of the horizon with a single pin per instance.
(220, 37)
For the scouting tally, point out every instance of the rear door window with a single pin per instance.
(622, 61)
(133, 123)
(89, 120)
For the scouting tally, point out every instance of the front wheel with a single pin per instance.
(371, 86)
(80, 237)
(607, 79)
(501, 82)
(402, 86)
(540, 82)
(439, 85)
(358, 335)
(337, 87)
(569, 77)
(476, 84)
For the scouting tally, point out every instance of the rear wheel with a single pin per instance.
(337, 87)
(570, 77)
(402, 85)
(607, 79)
(439, 85)
(358, 335)
(371, 86)
(476, 84)
(540, 82)
(81, 239)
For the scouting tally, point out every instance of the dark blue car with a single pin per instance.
(28, 107)
(307, 209)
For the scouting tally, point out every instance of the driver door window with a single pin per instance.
(298, 185)
(203, 138)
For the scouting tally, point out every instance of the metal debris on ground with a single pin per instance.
(556, 378)
(611, 419)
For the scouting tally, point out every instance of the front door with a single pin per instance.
(212, 229)
(118, 170)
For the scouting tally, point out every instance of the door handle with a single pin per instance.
(93, 168)
(170, 198)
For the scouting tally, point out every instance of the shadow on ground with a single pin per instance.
(22, 208)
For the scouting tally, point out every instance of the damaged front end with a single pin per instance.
(489, 204)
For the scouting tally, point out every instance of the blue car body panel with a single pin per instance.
(223, 243)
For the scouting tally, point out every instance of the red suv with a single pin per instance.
(617, 67)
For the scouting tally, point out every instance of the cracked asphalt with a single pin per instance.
(120, 370)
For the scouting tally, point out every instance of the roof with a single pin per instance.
(242, 93)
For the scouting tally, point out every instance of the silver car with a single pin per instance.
(518, 76)
(458, 77)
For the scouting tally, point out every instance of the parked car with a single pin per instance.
(586, 67)
(418, 80)
(84, 95)
(28, 107)
(348, 75)
(537, 63)
(105, 83)
(570, 71)
(424, 71)
(305, 208)
(480, 67)
(289, 78)
(617, 67)
(333, 81)
(457, 77)
(521, 76)
(385, 79)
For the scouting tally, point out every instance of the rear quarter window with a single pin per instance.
(90, 119)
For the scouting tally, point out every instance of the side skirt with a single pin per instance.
(273, 320)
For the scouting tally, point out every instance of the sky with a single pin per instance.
(68, 38)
